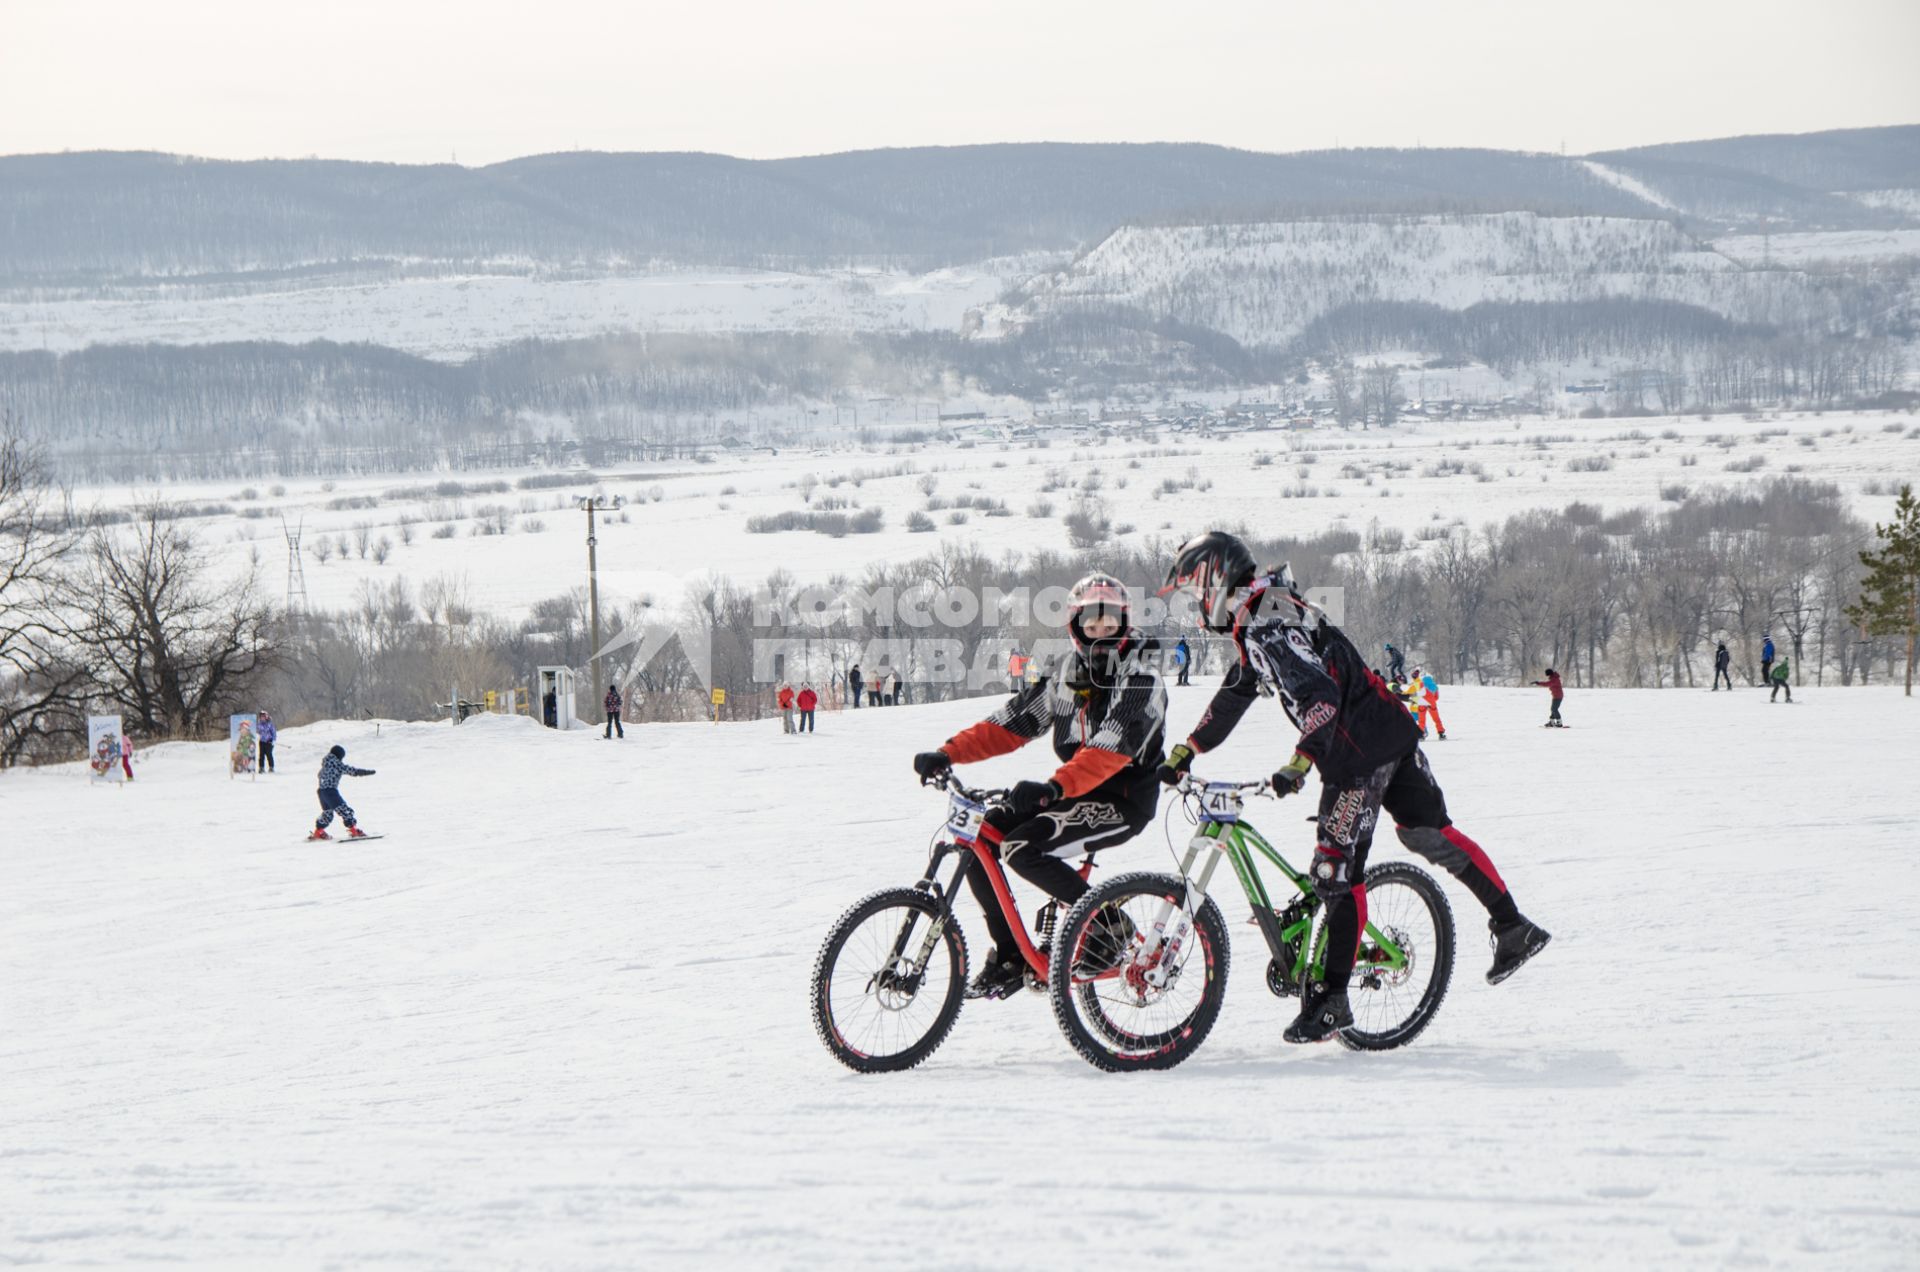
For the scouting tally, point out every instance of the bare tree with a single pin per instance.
(40, 688)
(172, 649)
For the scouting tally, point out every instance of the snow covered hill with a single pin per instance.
(1264, 283)
(558, 1018)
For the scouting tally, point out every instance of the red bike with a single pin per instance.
(892, 976)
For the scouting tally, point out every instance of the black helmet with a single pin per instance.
(338, 752)
(1212, 568)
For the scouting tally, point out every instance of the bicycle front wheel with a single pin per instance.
(1123, 997)
(889, 981)
(1394, 999)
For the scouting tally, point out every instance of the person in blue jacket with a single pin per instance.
(1766, 658)
(1183, 659)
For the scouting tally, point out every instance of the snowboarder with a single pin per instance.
(1357, 735)
(1780, 681)
(612, 703)
(785, 699)
(807, 700)
(1107, 715)
(1722, 660)
(332, 769)
(853, 684)
(1183, 659)
(1552, 685)
(266, 733)
(1396, 663)
(1766, 658)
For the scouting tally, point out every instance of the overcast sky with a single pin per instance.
(491, 79)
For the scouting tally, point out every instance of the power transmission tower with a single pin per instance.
(296, 572)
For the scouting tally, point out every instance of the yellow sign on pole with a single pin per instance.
(719, 697)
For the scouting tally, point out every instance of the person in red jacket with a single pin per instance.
(1107, 714)
(785, 698)
(1552, 685)
(808, 700)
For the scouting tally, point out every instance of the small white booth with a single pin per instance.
(553, 687)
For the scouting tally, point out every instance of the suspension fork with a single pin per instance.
(1194, 893)
(929, 882)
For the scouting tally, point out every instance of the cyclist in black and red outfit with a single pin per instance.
(1107, 712)
(1360, 738)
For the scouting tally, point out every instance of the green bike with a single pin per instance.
(1129, 994)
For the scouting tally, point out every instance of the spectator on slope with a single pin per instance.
(332, 769)
(126, 755)
(785, 699)
(1367, 751)
(612, 704)
(1779, 679)
(807, 700)
(1722, 660)
(1429, 691)
(1552, 685)
(854, 682)
(1183, 659)
(896, 690)
(550, 708)
(1396, 663)
(266, 734)
(874, 688)
(1766, 658)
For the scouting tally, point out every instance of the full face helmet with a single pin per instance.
(1211, 569)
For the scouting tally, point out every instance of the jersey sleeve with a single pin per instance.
(1019, 721)
(1311, 692)
(1236, 693)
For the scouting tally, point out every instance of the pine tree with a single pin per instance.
(1890, 594)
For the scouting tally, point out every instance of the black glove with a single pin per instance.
(932, 765)
(1329, 874)
(1026, 799)
(1175, 766)
(1292, 776)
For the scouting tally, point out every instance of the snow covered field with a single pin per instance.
(558, 1018)
(1414, 477)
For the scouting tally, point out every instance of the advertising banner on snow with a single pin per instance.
(243, 745)
(104, 760)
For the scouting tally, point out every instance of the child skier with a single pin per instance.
(1779, 681)
(332, 769)
(1552, 685)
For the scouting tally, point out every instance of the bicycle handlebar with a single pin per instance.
(948, 782)
(1192, 784)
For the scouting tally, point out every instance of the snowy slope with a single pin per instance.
(558, 1018)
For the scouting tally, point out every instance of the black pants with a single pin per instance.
(1778, 685)
(1184, 668)
(1766, 670)
(613, 722)
(331, 803)
(266, 756)
(856, 696)
(1407, 790)
(1553, 715)
(1719, 674)
(1039, 849)
(806, 721)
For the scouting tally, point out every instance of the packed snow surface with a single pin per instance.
(558, 1018)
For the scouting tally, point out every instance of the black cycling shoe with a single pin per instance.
(1513, 945)
(998, 979)
(1109, 938)
(1322, 1015)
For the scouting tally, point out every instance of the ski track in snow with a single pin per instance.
(559, 1017)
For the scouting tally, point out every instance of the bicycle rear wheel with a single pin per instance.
(1121, 1004)
(1392, 1005)
(889, 981)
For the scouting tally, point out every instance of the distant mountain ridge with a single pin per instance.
(90, 219)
